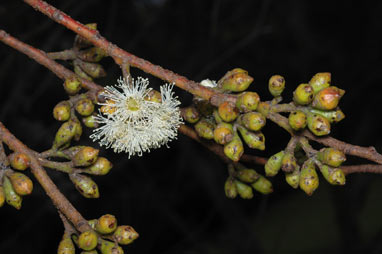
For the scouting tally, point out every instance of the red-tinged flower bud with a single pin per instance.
(22, 184)
(223, 133)
(19, 161)
(227, 111)
(328, 98)
(85, 156)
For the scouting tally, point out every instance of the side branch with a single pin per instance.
(59, 200)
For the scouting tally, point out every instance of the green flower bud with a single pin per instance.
(154, 96)
(223, 133)
(66, 245)
(331, 157)
(273, 164)
(244, 190)
(276, 85)
(205, 128)
(102, 166)
(308, 177)
(94, 70)
(65, 133)
(2, 196)
(92, 223)
(318, 124)
(293, 179)
(108, 247)
(78, 129)
(263, 185)
(86, 156)
(253, 121)
(11, 196)
(85, 185)
(333, 116)
(93, 54)
(227, 111)
(303, 95)
(236, 80)
(85, 107)
(289, 163)
(320, 81)
(247, 101)
(90, 121)
(328, 98)
(247, 175)
(297, 120)
(19, 161)
(230, 188)
(234, 149)
(72, 85)
(106, 224)
(125, 234)
(254, 140)
(61, 111)
(87, 240)
(190, 114)
(334, 176)
(263, 108)
(78, 70)
(22, 184)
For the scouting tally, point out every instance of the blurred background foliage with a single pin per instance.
(174, 197)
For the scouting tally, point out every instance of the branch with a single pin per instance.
(59, 200)
(365, 168)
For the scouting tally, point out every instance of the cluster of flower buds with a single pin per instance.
(242, 180)
(230, 124)
(105, 235)
(14, 185)
(317, 105)
(300, 171)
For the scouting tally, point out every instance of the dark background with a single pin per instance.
(174, 197)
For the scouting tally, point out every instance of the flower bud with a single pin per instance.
(22, 184)
(297, 120)
(19, 161)
(328, 98)
(61, 111)
(66, 245)
(65, 133)
(87, 240)
(303, 95)
(93, 54)
(94, 70)
(106, 224)
(289, 163)
(11, 196)
(125, 234)
(247, 175)
(92, 223)
(254, 140)
(78, 129)
(308, 177)
(190, 114)
(86, 156)
(205, 128)
(230, 188)
(85, 107)
(90, 121)
(253, 121)
(333, 116)
(108, 247)
(81, 42)
(85, 185)
(320, 81)
(247, 101)
(154, 96)
(263, 108)
(2, 196)
(276, 85)
(244, 190)
(227, 111)
(223, 133)
(331, 157)
(102, 166)
(273, 164)
(236, 80)
(334, 176)
(319, 125)
(204, 107)
(72, 85)
(234, 149)
(263, 185)
(78, 70)
(108, 109)
(293, 178)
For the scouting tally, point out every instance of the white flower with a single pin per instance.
(133, 124)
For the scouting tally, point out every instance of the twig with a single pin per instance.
(365, 168)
